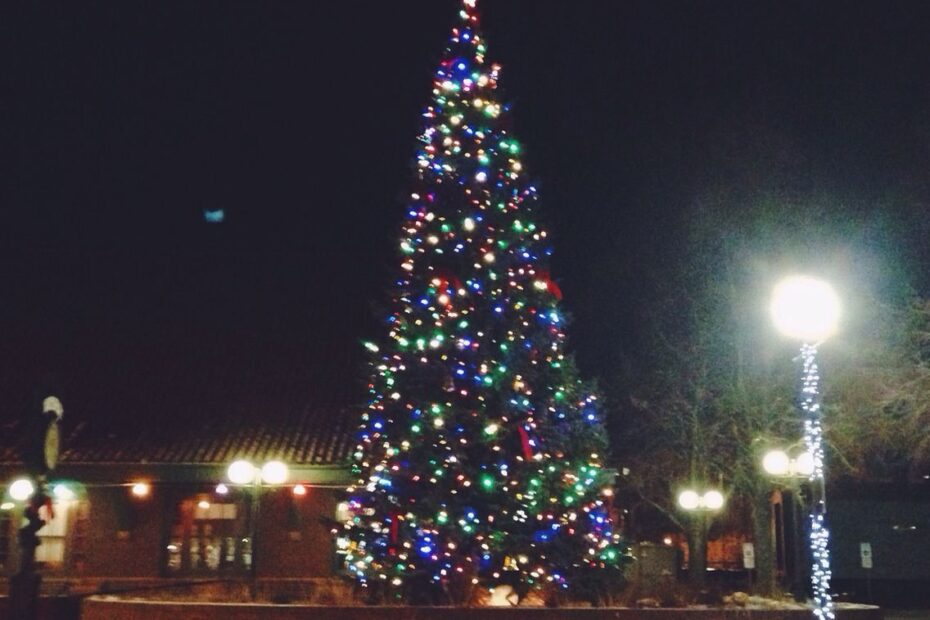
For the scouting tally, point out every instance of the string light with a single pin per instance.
(478, 453)
(813, 440)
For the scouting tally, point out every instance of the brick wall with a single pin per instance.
(293, 540)
(123, 538)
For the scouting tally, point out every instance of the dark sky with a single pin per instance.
(120, 122)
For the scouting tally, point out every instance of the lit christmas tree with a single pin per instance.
(479, 458)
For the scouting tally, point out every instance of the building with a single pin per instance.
(880, 547)
(145, 501)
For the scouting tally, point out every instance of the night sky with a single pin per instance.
(121, 122)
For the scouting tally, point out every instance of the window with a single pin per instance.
(62, 540)
(209, 537)
(52, 536)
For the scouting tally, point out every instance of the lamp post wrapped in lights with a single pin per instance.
(807, 310)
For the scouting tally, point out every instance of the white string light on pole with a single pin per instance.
(808, 310)
(813, 440)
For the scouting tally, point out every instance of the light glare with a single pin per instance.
(21, 490)
(274, 472)
(713, 500)
(805, 308)
(804, 464)
(241, 472)
(63, 493)
(776, 463)
(689, 500)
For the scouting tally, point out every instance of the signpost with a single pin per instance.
(749, 560)
(749, 555)
(865, 558)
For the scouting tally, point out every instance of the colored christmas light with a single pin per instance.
(478, 454)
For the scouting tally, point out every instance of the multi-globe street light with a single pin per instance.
(244, 473)
(790, 470)
(692, 501)
(807, 310)
(777, 463)
(698, 504)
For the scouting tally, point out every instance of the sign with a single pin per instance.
(749, 555)
(865, 554)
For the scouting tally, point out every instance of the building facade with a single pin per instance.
(151, 505)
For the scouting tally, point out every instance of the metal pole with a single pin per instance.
(253, 536)
(27, 581)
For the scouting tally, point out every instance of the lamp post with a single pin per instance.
(807, 310)
(243, 473)
(698, 505)
(779, 465)
(40, 455)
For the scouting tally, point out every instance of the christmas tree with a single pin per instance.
(480, 452)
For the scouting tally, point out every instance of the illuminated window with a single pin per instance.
(209, 537)
(54, 534)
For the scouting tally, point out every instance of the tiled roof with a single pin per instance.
(312, 436)
(176, 396)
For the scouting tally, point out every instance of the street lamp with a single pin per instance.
(777, 463)
(698, 504)
(244, 473)
(780, 465)
(692, 501)
(808, 310)
(22, 489)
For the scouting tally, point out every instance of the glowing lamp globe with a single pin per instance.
(241, 472)
(63, 493)
(776, 463)
(804, 464)
(806, 309)
(689, 500)
(713, 500)
(21, 490)
(274, 472)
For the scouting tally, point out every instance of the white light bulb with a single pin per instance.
(62, 493)
(713, 500)
(241, 472)
(22, 489)
(274, 472)
(689, 500)
(805, 308)
(776, 463)
(804, 464)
